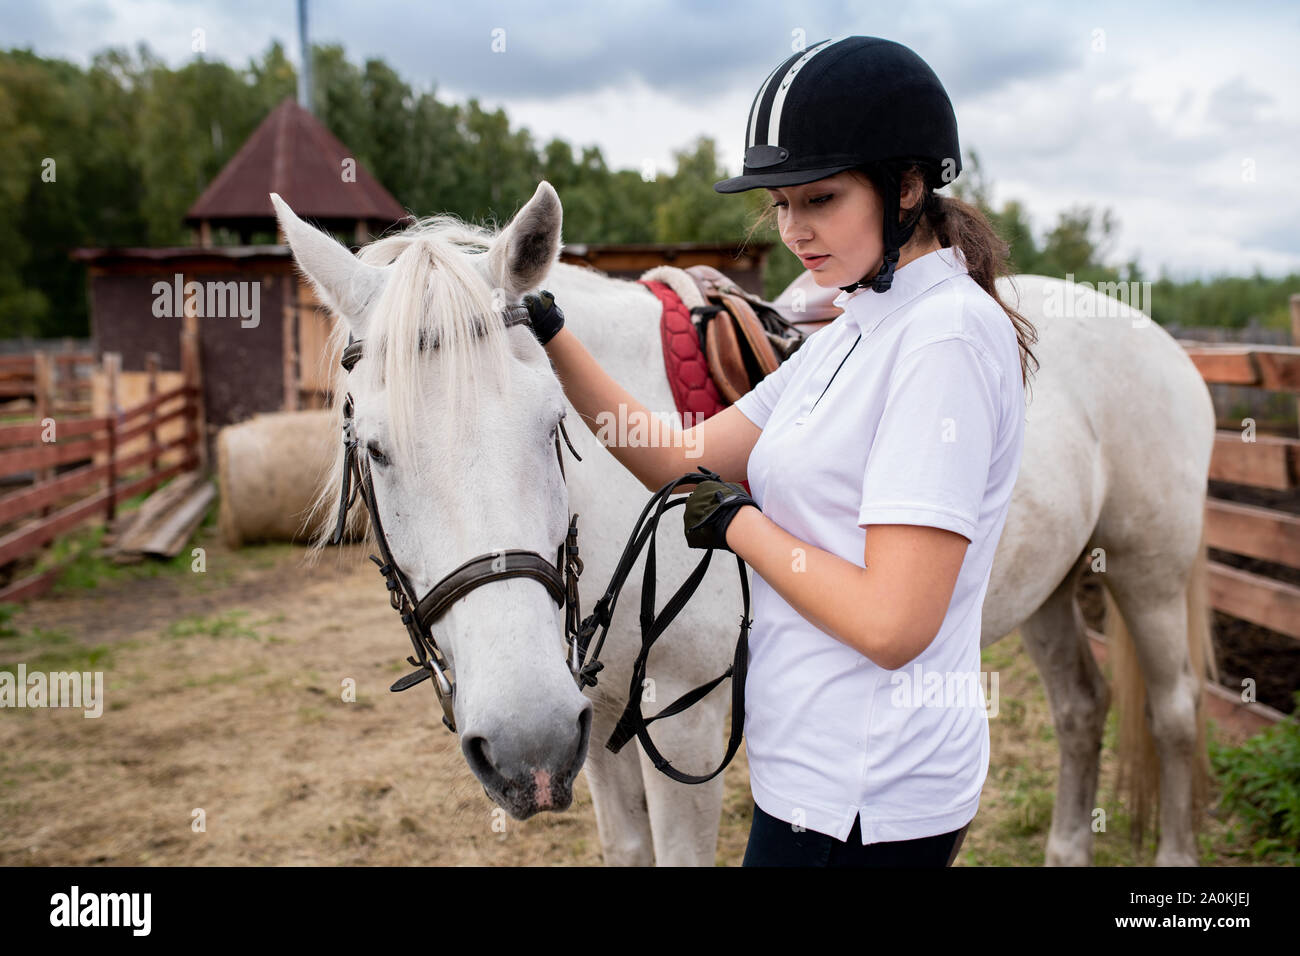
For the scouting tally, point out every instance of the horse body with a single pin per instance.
(643, 816)
(1118, 438)
(1119, 430)
(1117, 447)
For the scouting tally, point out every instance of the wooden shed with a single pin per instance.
(260, 329)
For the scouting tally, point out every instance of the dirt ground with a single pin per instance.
(224, 706)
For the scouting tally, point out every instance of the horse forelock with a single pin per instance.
(435, 293)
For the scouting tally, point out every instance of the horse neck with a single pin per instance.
(614, 318)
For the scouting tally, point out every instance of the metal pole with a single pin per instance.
(304, 74)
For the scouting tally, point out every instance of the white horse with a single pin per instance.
(1117, 450)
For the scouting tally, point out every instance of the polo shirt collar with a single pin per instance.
(867, 309)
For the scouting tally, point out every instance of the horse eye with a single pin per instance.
(377, 456)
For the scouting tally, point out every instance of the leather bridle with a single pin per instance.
(419, 614)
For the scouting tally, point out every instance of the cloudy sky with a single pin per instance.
(1182, 117)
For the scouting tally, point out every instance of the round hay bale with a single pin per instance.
(271, 469)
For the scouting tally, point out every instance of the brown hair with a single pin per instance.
(952, 222)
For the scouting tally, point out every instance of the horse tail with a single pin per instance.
(1139, 764)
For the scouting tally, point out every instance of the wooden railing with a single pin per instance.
(1243, 457)
(47, 383)
(105, 470)
(1261, 461)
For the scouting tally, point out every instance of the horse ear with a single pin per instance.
(342, 282)
(524, 252)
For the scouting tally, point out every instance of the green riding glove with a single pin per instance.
(709, 511)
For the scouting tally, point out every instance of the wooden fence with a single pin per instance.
(1266, 534)
(1273, 410)
(1260, 461)
(46, 383)
(73, 469)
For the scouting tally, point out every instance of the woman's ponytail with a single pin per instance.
(952, 222)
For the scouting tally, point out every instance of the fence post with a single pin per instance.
(289, 336)
(43, 394)
(151, 363)
(112, 370)
(66, 376)
(192, 373)
(1295, 334)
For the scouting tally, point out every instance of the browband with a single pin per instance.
(515, 315)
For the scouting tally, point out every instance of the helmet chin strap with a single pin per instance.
(896, 236)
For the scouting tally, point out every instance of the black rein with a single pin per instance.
(561, 581)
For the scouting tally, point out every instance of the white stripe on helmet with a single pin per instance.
(758, 105)
(774, 120)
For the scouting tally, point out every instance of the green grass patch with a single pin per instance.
(7, 612)
(43, 649)
(229, 624)
(1261, 792)
(269, 554)
(84, 567)
(227, 677)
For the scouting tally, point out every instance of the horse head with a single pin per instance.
(455, 415)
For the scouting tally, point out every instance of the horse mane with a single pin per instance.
(435, 294)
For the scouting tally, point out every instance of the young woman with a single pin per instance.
(881, 457)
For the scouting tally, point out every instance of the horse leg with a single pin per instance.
(684, 817)
(619, 798)
(1056, 639)
(1151, 596)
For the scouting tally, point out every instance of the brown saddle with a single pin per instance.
(743, 337)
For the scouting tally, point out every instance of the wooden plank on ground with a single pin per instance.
(154, 511)
(172, 534)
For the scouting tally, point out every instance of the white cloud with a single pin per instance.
(1163, 112)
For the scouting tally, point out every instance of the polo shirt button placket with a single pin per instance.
(806, 409)
(817, 389)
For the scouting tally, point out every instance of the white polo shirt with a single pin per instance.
(907, 409)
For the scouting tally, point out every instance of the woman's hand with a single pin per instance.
(545, 318)
(709, 511)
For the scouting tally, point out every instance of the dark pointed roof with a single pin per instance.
(293, 154)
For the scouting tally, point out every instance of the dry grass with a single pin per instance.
(224, 695)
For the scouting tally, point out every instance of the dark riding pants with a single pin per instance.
(774, 842)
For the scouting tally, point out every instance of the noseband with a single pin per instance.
(561, 581)
(420, 613)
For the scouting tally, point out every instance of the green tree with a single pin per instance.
(131, 143)
(688, 208)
